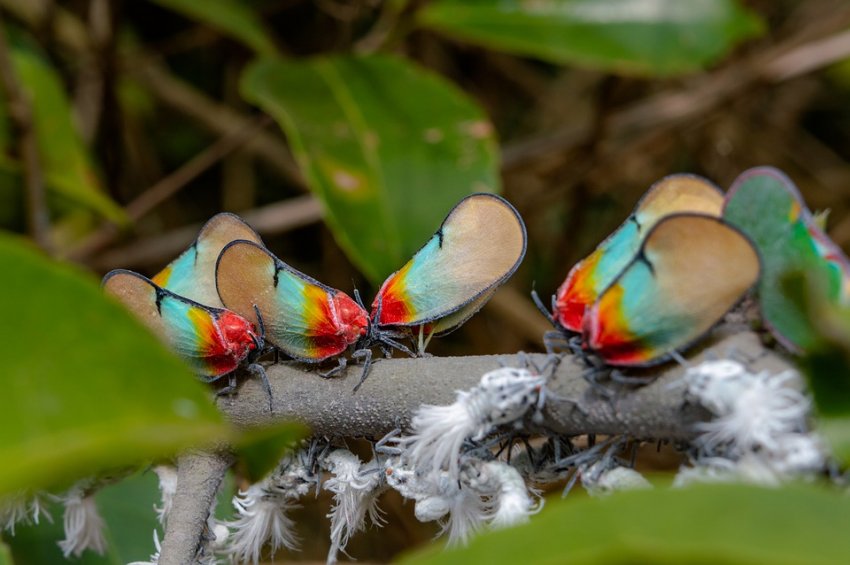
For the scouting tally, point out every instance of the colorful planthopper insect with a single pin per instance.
(689, 271)
(478, 246)
(192, 274)
(588, 278)
(766, 205)
(213, 341)
(659, 282)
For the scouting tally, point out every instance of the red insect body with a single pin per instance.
(352, 319)
(237, 338)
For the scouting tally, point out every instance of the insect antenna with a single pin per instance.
(358, 299)
(539, 303)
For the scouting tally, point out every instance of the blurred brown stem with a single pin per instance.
(273, 219)
(167, 187)
(783, 62)
(20, 111)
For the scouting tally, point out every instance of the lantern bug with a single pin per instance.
(477, 247)
(192, 274)
(766, 205)
(214, 342)
(588, 278)
(690, 270)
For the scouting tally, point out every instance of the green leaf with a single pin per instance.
(765, 205)
(63, 156)
(127, 508)
(388, 147)
(717, 524)
(827, 360)
(261, 449)
(647, 37)
(5, 555)
(231, 17)
(85, 386)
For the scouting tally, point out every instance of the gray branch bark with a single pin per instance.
(397, 387)
(199, 476)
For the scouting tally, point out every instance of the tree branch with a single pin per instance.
(397, 387)
(199, 477)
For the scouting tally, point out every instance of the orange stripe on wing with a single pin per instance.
(211, 348)
(161, 278)
(323, 334)
(577, 294)
(608, 334)
(396, 307)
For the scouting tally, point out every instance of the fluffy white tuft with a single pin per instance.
(485, 493)
(764, 408)
(439, 496)
(167, 487)
(263, 511)
(502, 487)
(83, 523)
(22, 508)
(356, 488)
(759, 433)
(502, 396)
(605, 477)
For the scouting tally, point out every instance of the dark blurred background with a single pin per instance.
(166, 136)
(154, 95)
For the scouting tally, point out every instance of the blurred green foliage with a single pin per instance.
(70, 177)
(76, 398)
(231, 17)
(261, 449)
(719, 524)
(629, 36)
(127, 508)
(388, 147)
(827, 359)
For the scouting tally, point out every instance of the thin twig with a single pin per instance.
(169, 89)
(20, 111)
(273, 219)
(668, 108)
(218, 118)
(168, 186)
(519, 313)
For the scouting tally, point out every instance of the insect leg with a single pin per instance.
(381, 446)
(257, 370)
(366, 354)
(231, 385)
(342, 363)
(618, 377)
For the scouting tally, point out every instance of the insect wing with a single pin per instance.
(192, 274)
(302, 317)
(690, 271)
(192, 330)
(766, 205)
(670, 195)
(478, 247)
